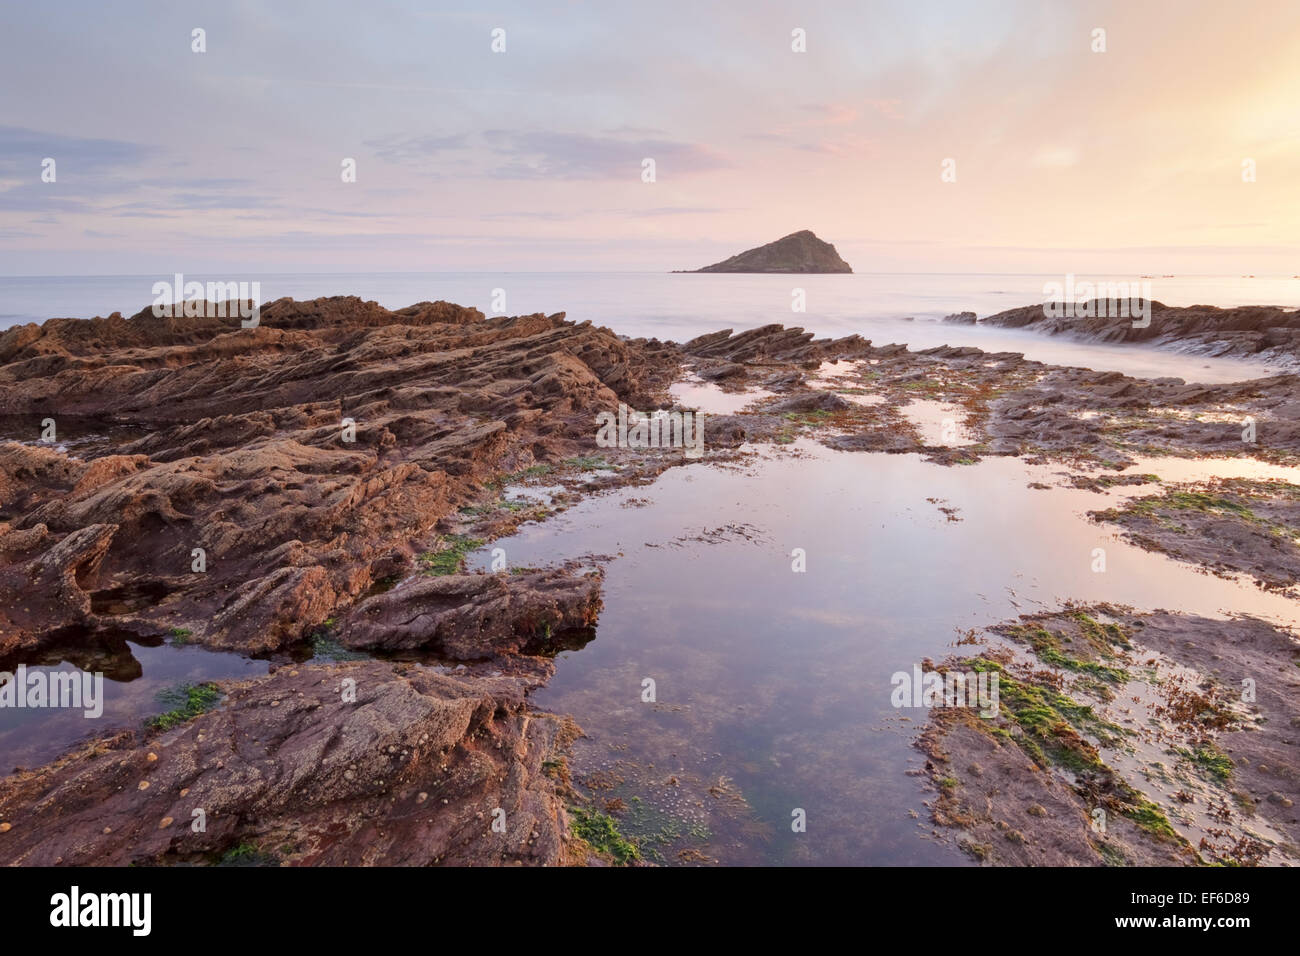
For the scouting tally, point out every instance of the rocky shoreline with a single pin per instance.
(318, 480)
(1101, 706)
(1264, 332)
(208, 490)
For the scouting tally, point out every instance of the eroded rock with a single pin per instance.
(369, 763)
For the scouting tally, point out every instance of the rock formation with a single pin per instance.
(405, 771)
(1264, 332)
(250, 488)
(185, 434)
(798, 252)
(177, 436)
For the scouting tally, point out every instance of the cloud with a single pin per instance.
(552, 154)
(578, 215)
(546, 154)
(22, 150)
(831, 114)
(677, 211)
(199, 182)
(1055, 157)
(180, 203)
(395, 149)
(42, 197)
(856, 146)
(885, 107)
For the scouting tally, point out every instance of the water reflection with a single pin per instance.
(772, 686)
(134, 674)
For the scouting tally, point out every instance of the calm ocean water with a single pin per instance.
(679, 306)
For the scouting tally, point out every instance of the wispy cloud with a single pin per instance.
(22, 150)
(399, 149)
(550, 154)
(545, 154)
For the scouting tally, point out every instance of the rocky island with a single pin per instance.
(800, 252)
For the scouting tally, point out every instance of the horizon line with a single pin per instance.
(488, 272)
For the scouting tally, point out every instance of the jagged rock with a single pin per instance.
(406, 774)
(775, 344)
(196, 433)
(1254, 331)
(467, 617)
(722, 372)
(818, 401)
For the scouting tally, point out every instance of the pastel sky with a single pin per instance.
(1067, 160)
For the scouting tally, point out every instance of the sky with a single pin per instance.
(1066, 158)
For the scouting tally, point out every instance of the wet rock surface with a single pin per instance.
(466, 617)
(205, 480)
(1011, 406)
(1124, 738)
(307, 458)
(359, 764)
(1258, 331)
(1227, 527)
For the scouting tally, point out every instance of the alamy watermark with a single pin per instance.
(74, 908)
(216, 300)
(74, 690)
(658, 429)
(946, 689)
(1086, 300)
